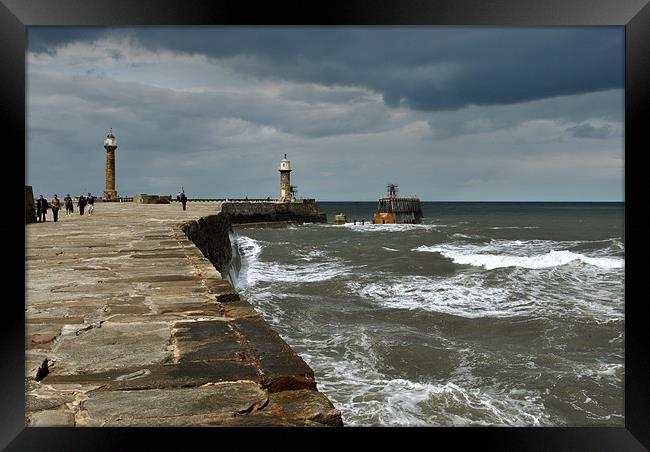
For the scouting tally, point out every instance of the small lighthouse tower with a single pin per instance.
(110, 144)
(285, 179)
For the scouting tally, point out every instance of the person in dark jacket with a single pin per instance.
(183, 200)
(41, 208)
(81, 204)
(68, 204)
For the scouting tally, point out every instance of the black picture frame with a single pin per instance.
(634, 15)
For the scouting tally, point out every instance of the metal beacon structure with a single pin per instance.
(393, 209)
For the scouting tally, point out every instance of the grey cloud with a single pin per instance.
(603, 106)
(589, 131)
(313, 95)
(170, 114)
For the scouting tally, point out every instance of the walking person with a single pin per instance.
(56, 205)
(41, 208)
(68, 204)
(81, 203)
(183, 200)
(91, 203)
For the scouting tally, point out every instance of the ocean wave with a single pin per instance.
(369, 397)
(249, 248)
(389, 249)
(538, 246)
(471, 296)
(553, 258)
(255, 270)
(401, 402)
(460, 296)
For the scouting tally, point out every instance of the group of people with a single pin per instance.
(83, 201)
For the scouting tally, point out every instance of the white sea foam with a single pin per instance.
(467, 255)
(404, 403)
(515, 227)
(366, 396)
(255, 270)
(600, 371)
(311, 255)
(609, 370)
(295, 273)
(369, 227)
(249, 248)
(389, 249)
(461, 295)
(516, 294)
(458, 235)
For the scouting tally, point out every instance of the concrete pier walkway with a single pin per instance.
(127, 324)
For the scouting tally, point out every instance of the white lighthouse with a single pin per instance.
(285, 179)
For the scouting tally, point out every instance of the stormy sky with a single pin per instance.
(448, 113)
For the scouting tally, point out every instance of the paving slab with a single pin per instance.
(162, 376)
(111, 345)
(131, 408)
(283, 368)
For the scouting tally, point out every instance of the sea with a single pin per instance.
(486, 314)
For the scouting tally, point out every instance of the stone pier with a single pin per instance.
(128, 324)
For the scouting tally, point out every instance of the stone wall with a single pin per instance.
(151, 199)
(30, 205)
(300, 211)
(213, 235)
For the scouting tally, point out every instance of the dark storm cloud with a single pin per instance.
(421, 68)
(46, 39)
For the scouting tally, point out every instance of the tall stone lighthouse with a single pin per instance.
(110, 145)
(285, 179)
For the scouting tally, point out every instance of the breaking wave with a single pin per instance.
(472, 296)
(369, 397)
(476, 256)
(255, 270)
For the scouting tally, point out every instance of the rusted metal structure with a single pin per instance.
(393, 209)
